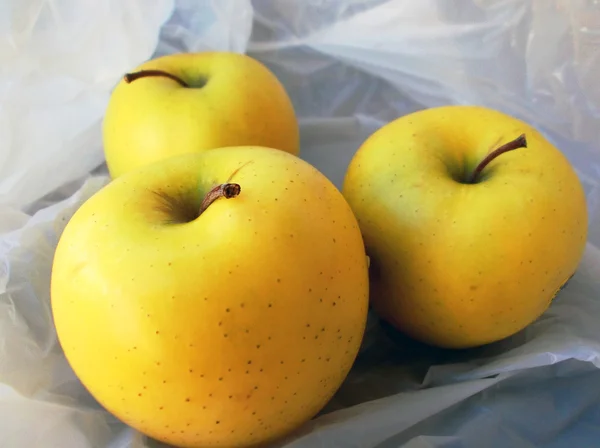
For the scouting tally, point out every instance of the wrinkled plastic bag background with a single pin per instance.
(350, 67)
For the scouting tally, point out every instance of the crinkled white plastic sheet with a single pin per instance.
(350, 66)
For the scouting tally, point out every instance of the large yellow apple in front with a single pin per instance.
(458, 262)
(189, 102)
(230, 328)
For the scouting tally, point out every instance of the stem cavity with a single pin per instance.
(227, 191)
(519, 142)
(130, 77)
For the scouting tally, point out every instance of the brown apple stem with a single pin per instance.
(519, 142)
(226, 191)
(130, 77)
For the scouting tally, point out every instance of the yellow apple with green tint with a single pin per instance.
(189, 102)
(213, 299)
(472, 220)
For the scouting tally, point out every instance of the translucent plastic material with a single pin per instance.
(350, 66)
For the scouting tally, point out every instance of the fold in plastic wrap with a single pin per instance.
(350, 67)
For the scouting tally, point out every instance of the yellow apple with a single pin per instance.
(472, 220)
(189, 102)
(213, 299)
